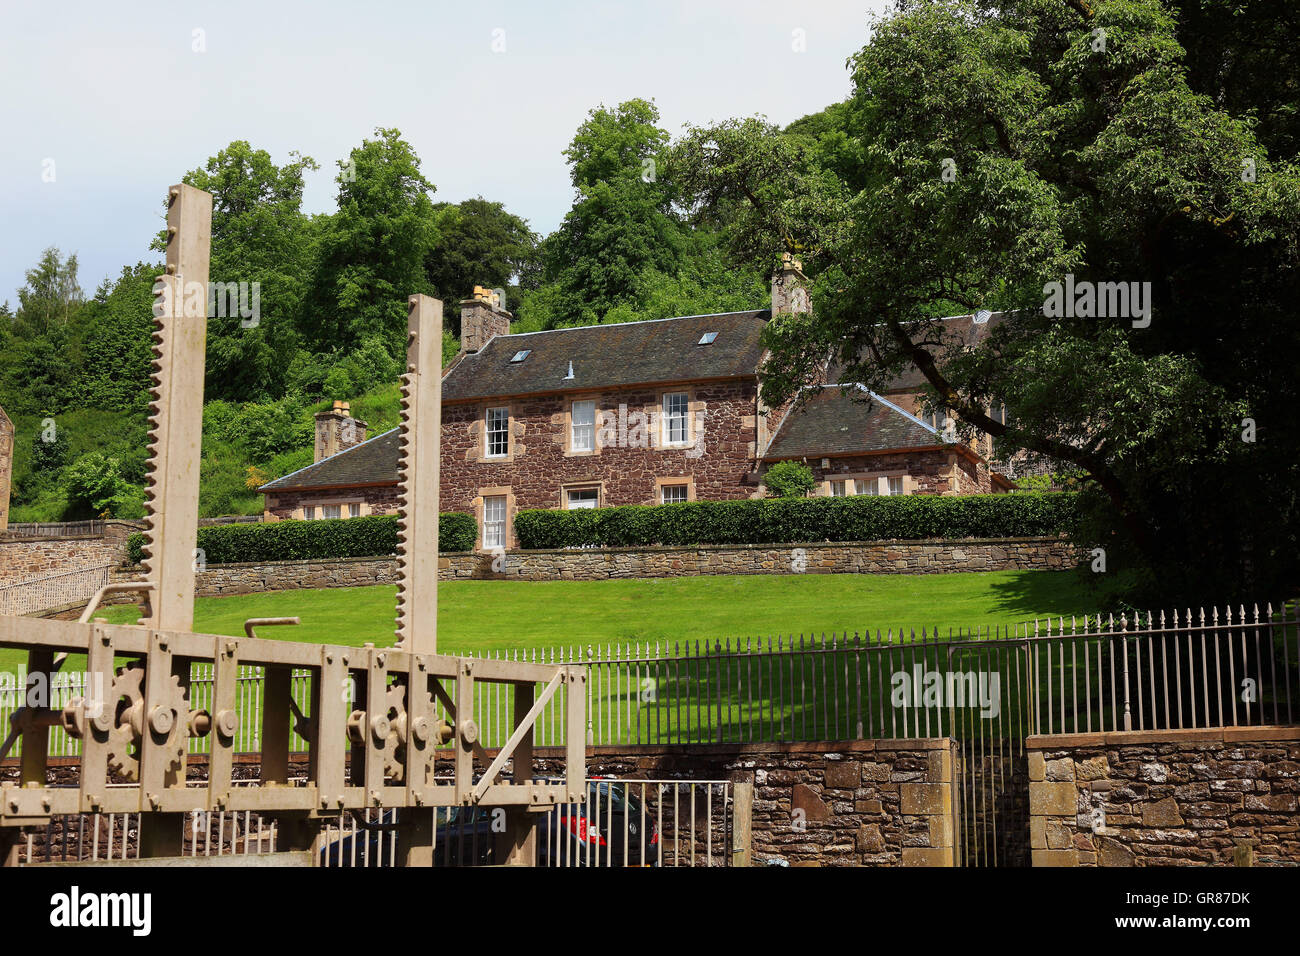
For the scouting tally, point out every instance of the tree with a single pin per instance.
(478, 243)
(115, 328)
(262, 239)
(95, 488)
(789, 479)
(373, 250)
(621, 224)
(1007, 146)
(51, 294)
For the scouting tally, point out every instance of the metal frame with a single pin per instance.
(373, 735)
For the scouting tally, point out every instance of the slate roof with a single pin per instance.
(373, 462)
(955, 331)
(829, 422)
(608, 356)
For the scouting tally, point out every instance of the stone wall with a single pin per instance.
(22, 559)
(869, 557)
(1166, 798)
(829, 803)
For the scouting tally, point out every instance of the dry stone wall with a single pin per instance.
(868, 557)
(1167, 798)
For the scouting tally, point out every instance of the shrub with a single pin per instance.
(332, 538)
(800, 520)
(789, 479)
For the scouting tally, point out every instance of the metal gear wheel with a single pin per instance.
(130, 719)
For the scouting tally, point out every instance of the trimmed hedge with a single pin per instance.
(329, 538)
(801, 520)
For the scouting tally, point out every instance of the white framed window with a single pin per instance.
(331, 511)
(308, 512)
(673, 494)
(494, 521)
(583, 429)
(578, 498)
(676, 412)
(895, 484)
(497, 440)
(866, 486)
(838, 489)
(354, 510)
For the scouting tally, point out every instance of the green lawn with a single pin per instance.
(505, 615)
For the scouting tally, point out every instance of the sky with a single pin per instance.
(106, 105)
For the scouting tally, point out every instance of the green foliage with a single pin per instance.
(333, 538)
(373, 250)
(789, 479)
(800, 521)
(259, 235)
(1003, 147)
(95, 488)
(478, 243)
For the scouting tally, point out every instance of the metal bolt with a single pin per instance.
(380, 658)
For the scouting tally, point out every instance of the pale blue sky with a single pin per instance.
(115, 95)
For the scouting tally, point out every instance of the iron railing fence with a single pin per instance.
(53, 590)
(622, 823)
(1178, 670)
(677, 823)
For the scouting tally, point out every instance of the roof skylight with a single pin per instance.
(521, 355)
(707, 338)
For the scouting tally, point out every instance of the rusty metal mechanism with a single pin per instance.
(372, 729)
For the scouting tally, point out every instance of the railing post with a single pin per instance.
(1128, 716)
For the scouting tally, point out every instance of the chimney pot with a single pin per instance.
(481, 318)
(337, 430)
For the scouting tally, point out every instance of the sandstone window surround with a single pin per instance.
(584, 494)
(881, 483)
(581, 418)
(494, 510)
(674, 489)
(675, 420)
(320, 508)
(496, 432)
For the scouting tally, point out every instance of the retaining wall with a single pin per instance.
(1166, 798)
(857, 557)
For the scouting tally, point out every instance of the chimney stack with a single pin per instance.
(337, 430)
(482, 317)
(790, 287)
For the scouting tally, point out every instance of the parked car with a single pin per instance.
(589, 834)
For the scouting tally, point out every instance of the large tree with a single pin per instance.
(478, 243)
(373, 250)
(622, 222)
(259, 235)
(1008, 145)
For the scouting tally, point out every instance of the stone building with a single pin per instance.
(651, 412)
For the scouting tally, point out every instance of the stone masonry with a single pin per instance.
(1166, 798)
(868, 557)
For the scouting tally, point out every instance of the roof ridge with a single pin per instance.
(336, 455)
(614, 325)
